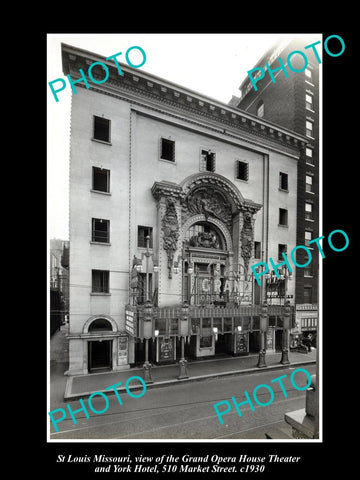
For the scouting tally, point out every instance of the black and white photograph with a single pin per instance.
(187, 250)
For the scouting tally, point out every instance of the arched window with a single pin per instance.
(204, 235)
(100, 324)
(260, 109)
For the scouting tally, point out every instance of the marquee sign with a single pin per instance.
(130, 321)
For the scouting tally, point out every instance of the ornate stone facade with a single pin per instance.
(210, 202)
(170, 228)
(247, 238)
(211, 198)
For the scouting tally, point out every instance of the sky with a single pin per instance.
(211, 64)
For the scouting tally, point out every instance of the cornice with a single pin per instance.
(140, 85)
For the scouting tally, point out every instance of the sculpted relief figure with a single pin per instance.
(205, 240)
(247, 238)
(170, 228)
(210, 203)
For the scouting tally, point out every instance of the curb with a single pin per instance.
(68, 396)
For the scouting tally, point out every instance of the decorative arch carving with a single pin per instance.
(96, 317)
(218, 182)
(220, 225)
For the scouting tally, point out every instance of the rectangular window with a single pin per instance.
(207, 161)
(308, 211)
(160, 323)
(309, 128)
(308, 73)
(101, 129)
(101, 179)
(309, 156)
(308, 272)
(309, 183)
(282, 248)
(283, 181)
(174, 326)
(206, 341)
(257, 249)
(283, 216)
(167, 150)
(100, 230)
(308, 238)
(242, 170)
(100, 281)
(309, 101)
(144, 232)
(308, 295)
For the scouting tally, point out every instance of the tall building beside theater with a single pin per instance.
(173, 196)
(293, 101)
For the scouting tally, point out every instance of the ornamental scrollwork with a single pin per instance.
(247, 238)
(209, 202)
(204, 240)
(170, 228)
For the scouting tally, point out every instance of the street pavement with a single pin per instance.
(80, 386)
(173, 408)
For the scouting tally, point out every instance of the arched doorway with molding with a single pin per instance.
(100, 344)
(206, 250)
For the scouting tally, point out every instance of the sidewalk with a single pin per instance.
(80, 386)
(84, 385)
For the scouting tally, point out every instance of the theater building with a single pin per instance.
(173, 196)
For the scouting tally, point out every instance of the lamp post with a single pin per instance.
(263, 326)
(184, 331)
(286, 276)
(147, 333)
(148, 309)
(286, 325)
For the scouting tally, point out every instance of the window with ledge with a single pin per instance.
(144, 232)
(207, 161)
(282, 248)
(308, 272)
(309, 101)
(101, 129)
(283, 217)
(309, 129)
(308, 211)
(309, 156)
(167, 150)
(283, 181)
(100, 230)
(100, 179)
(100, 281)
(308, 238)
(309, 187)
(242, 170)
(257, 249)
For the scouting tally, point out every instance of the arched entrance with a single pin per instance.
(100, 348)
(205, 249)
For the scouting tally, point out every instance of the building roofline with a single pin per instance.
(181, 90)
